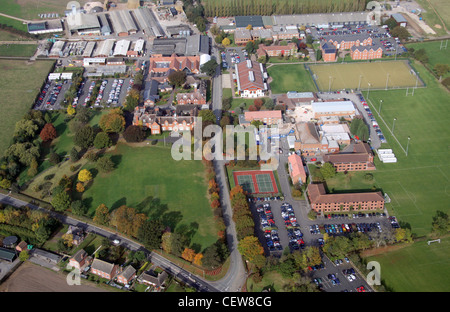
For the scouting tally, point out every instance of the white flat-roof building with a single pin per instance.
(89, 61)
(333, 108)
(121, 48)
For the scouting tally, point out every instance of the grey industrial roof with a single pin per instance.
(197, 44)
(122, 21)
(319, 18)
(104, 23)
(7, 254)
(244, 21)
(399, 18)
(148, 22)
(82, 21)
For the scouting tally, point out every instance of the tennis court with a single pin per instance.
(256, 181)
(365, 75)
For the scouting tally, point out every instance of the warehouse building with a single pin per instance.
(46, 27)
(123, 23)
(104, 48)
(83, 24)
(89, 49)
(255, 21)
(56, 50)
(334, 108)
(121, 48)
(148, 23)
(104, 23)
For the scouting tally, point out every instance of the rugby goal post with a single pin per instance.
(434, 241)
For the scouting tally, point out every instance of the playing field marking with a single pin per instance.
(382, 119)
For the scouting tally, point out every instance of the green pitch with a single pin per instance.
(364, 75)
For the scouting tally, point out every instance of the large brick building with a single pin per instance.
(358, 158)
(321, 202)
(366, 52)
(250, 79)
(276, 50)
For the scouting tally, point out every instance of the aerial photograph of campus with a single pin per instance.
(233, 147)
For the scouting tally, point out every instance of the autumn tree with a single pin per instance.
(226, 42)
(188, 254)
(102, 215)
(113, 121)
(84, 175)
(127, 220)
(80, 187)
(250, 248)
(198, 259)
(48, 133)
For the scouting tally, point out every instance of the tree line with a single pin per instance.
(218, 8)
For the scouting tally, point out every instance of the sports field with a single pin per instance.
(418, 267)
(290, 77)
(256, 182)
(364, 75)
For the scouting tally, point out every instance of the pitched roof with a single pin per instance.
(262, 114)
(80, 255)
(296, 166)
(318, 195)
(244, 21)
(361, 153)
(249, 75)
(102, 266)
(128, 272)
(306, 133)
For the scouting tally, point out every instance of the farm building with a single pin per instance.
(83, 24)
(45, 27)
(104, 23)
(104, 48)
(123, 23)
(400, 19)
(148, 23)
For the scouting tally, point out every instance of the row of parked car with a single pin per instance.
(372, 119)
(394, 222)
(269, 228)
(100, 92)
(332, 229)
(293, 228)
(53, 95)
(42, 95)
(355, 215)
(88, 97)
(114, 94)
(349, 274)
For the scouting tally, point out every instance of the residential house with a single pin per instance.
(322, 202)
(77, 235)
(197, 97)
(22, 246)
(79, 259)
(152, 279)
(104, 269)
(127, 275)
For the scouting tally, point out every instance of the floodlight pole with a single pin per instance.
(379, 110)
(393, 125)
(368, 90)
(407, 146)
(359, 84)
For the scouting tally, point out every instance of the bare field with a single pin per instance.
(33, 278)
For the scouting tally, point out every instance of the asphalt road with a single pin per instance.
(181, 274)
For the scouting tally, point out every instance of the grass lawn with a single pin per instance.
(29, 9)
(293, 77)
(8, 36)
(418, 184)
(434, 53)
(416, 268)
(271, 281)
(19, 85)
(432, 19)
(25, 50)
(149, 172)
